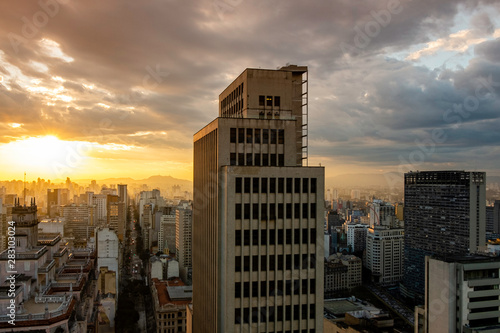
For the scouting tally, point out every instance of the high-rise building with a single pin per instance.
(444, 214)
(461, 295)
(258, 212)
(166, 235)
(496, 217)
(183, 241)
(384, 253)
(79, 223)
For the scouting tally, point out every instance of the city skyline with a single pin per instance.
(395, 86)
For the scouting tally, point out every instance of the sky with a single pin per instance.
(98, 89)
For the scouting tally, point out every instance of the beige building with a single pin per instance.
(385, 254)
(342, 272)
(258, 212)
(170, 300)
(461, 295)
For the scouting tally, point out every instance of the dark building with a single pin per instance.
(496, 217)
(444, 214)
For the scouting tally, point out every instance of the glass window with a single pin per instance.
(249, 135)
(247, 184)
(255, 183)
(233, 135)
(273, 159)
(249, 159)
(261, 100)
(265, 136)
(265, 160)
(257, 135)
(232, 159)
(305, 185)
(313, 185)
(281, 185)
(281, 136)
(246, 211)
(274, 138)
(272, 185)
(263, 185)
(269, 101)
(289, 185)
(241, 135)
(237, 212)
(281, 159)
(277, 101)
(256, 160)
(238, 185)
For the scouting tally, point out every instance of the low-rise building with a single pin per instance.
(170, 299)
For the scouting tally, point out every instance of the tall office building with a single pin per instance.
(444, 214)
(258, 212)
(183, 241)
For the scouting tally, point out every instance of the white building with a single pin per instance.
(385, 254)
(356, 235)
(183, 240)
(108, 254)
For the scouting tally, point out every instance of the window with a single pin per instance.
(265, 136)
(277, 100)
(273, 137)
(233, 135)
(255, 211)
(272, 237)
(305, 185)
(304, 211)
(281, 136)
(246, 264)
(249, 135)
(313, 236)
(261, 100)
(304, 311)
(237, 237)
(255, 237)
(281, 159)
(288, 236)
(273, 159)
(313, 185)
(265, 160)
(272, 262)
(296, 210)
(257, 135)
(263, 289)
(289, 185)
(237, 316)
(255, 187)
(241, 159)
(246, 211)
(238, 185)
(280, 261)
(237, 264)
(297, 185)
(241, 135)
(255, 265)
(305, 236)
(249, 159)
(288, 211)
(280, 210)
(305, 284)
(263, 185)
(237, 290)
(257, 160)
(247, 184)
(281, 185)
(246, 290)
(232, 159)
(263, 263)
(263, 237)
(237, 212)
(272, 211)
(272, 185)
(269, 101)
(313, 210)
(246, 237)
(263, 212)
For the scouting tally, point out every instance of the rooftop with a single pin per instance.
(173, 292)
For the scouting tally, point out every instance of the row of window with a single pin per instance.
(284, 237)
(257, 135)
(268, 100)
(250, 159)
(279, 288)
(275, 185)
(280, 262)
(282, 312)
(236, 95)
(285, 211)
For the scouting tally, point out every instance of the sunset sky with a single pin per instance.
(97, 89)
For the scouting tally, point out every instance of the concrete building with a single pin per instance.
(258, 212)
(385, 254)
(101, 203)
(79, 223)
(444, 213)
(166, 235)
(170, 299)
(108, 254)
(356, 235)
(461, 295)
(49, 286)
(183, 241)
(381, 213)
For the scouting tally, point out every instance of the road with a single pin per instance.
(402, 310)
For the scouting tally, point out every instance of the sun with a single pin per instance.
(40, 155)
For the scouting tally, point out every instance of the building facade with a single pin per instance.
(385, 254)
(444, 213)
(183, 241)
(461, 295)
(257, 211)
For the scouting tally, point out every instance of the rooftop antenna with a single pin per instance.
(24, 189)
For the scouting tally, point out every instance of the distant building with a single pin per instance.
(385, 254)
(342, 272)
(166, 236)
(461, 295)
(356, 235)
(444, 213)
(183, 241)
(108, 251)
(79, 223)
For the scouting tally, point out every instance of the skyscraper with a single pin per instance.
(444, 213)
(258, 212)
